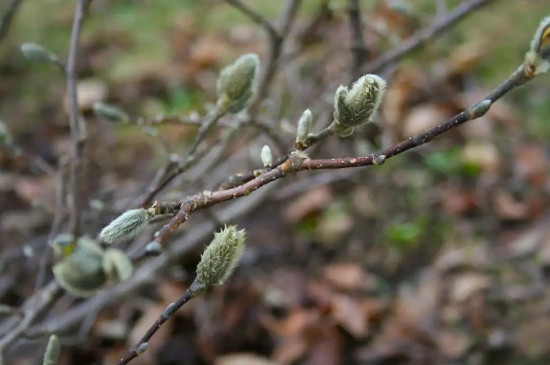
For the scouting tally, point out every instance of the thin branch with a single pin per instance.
(78, 134)
(439, 26)
(357, 44)
(254, 16)
(141, 346)
(7, 18)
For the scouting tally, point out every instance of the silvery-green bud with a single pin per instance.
(110, 113)
(81, 273)
(129, 224)
(237, 83)
(51, 355)
(266, 156)
(304, 127)
(5, 135)
(356, 106)
(537, 60)
(220, 258)
(37, 53)
(116, 265)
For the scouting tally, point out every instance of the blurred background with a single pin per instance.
(440, 256)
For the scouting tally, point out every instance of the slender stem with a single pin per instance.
(254, 16)
(439, 26)
(7, 18)
(357, 44)
(141, 346)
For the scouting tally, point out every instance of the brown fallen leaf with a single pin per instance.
(243, 359)
(347, 276)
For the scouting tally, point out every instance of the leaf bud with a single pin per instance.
(37, 53)
(537, 60)
(110, 113)
(51, 355)
(128, 225)
(357, 105)
(220, 258)
(266, 156)
(304, 127)
(237, 83)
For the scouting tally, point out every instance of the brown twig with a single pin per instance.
(78, 133)
(7, 18)
(254, 16)
(439, 26)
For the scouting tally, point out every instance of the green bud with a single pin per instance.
(128, 225)
(237, 83)
(81, 273)
(63, 245)
(304, 127)
(266, 156)
(356, 106)
(116, 265)
(220, 258)
(5, 135)
(537, 60)
(110, 113)
(37, 53)
(51, 355)
(142, 348)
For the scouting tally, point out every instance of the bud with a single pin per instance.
(129, 224)
(63, 245)
(51, 355)
(304, 126)
(142, 348)
(37, 53)
(153, 248)
(237, 83)
(81, 273)
(116, 265)
(356, 106)
(537, 60)
(266, 156)
(110, 113)
(5, 135)
(220, 258)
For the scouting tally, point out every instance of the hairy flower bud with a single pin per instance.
(266, 156)
(304, 127)
(51, 355)
(237, 83)
(116, 265)
(129, 224)
(81, 273)
(356, 106)
(537, 60)
(37, 53)
(110, 113)
(220, 258)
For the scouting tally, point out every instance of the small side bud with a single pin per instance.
(81, 273)
(266, 156)
(357, 106)
(237, 83)
(537, 60)
(220, 258)
(304, 127)
(37, 53)
(153, 248)
(51, 355)
(110, 113)
(479, 109)
(116, 265)
(142, 348)
(128, 225)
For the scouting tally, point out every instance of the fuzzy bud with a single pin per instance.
(116, 265)
(266, 156)
(220, 258)
(63, 245)
(128, 225)
(537, 60)
(51, 355)
(37, 53)
(356, 106)
(304, 126)
(110, 113)
(81, 273)
(237, 83)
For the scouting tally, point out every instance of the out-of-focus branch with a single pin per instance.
(78, 132)
(439, 26)
(7, 18)
(254, 16)
(357, 44)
